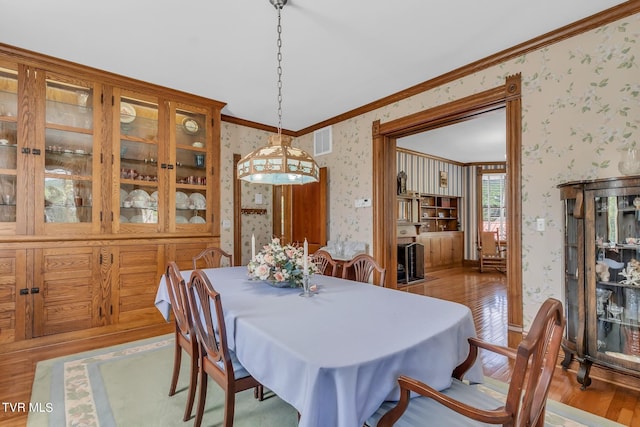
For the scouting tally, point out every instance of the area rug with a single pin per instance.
(127, 385)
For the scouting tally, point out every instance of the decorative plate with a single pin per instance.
(197, 220)
(138, 219)
(139, 199)
(198, 200)
(123, 196)
(190, 125)
(54, 195)
(181, 220)
(182, 200)
(127, 113)
(123, 219)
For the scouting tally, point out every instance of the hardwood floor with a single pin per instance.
(484, 293)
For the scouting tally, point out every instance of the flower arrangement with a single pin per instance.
(281, 266)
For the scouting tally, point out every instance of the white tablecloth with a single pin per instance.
(336, 356)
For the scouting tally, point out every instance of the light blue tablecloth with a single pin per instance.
(336, 356)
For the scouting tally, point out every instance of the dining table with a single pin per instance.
(336, 356)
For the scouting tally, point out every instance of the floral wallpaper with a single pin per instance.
(242, 140)
(581, 106)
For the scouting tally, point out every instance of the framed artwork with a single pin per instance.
(444, 179)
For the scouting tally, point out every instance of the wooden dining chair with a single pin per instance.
(325, 263)
(362, 268)
(216, 360)
(491, 253)
(462, 404)
(185, 338)
(212, 258)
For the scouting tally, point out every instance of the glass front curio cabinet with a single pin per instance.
(602, 274)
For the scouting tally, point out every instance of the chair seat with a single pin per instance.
(425, 411)
(238, 369)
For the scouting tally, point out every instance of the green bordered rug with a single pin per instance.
(127, 385)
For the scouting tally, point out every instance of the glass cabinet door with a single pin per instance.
(573, 267)
(614, 302)
(136, 128)
(8, 149)
(69, 145)
(189, 196)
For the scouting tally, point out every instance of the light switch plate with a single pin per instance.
(540, 224)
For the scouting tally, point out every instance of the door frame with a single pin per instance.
(384, 137)
(237, 212)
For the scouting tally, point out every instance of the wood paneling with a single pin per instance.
(139, 269)
(67, 291)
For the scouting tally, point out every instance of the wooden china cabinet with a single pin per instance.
(103, 179)
(602, 274)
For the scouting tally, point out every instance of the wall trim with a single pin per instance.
(589, 23)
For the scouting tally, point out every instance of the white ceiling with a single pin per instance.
(481, 139)
(337, 55)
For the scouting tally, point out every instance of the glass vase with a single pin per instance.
(629, 163)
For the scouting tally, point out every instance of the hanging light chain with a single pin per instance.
(279, 56)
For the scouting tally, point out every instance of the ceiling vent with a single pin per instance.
(322, 141)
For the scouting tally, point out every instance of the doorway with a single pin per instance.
(385, 179)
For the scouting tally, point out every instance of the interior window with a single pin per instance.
(493, 204)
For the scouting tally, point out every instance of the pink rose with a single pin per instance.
(262, 271)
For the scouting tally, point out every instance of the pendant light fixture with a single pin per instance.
(278, 163)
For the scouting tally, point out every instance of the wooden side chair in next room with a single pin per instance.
(462, 404)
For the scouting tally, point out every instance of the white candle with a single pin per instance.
(306, 255)
(253, 247)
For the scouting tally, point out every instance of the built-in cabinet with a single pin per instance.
(436, 219)
(102, 181)
(602, 274)
(438, 213)
(442, 249)
(433, 213)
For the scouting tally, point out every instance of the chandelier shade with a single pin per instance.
(278, 163)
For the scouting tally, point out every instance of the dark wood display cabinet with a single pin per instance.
(602, 274)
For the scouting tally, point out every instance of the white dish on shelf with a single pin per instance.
(153, 200)
(197, 220)
(123, 196)
(139, 198)
(182, 200)
(123, 219)
(197, 144)
(198, 200)
(137, 219)
(181, 220)
(54, 195)
(127, 112)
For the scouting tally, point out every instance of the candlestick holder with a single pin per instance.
(306, 292)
